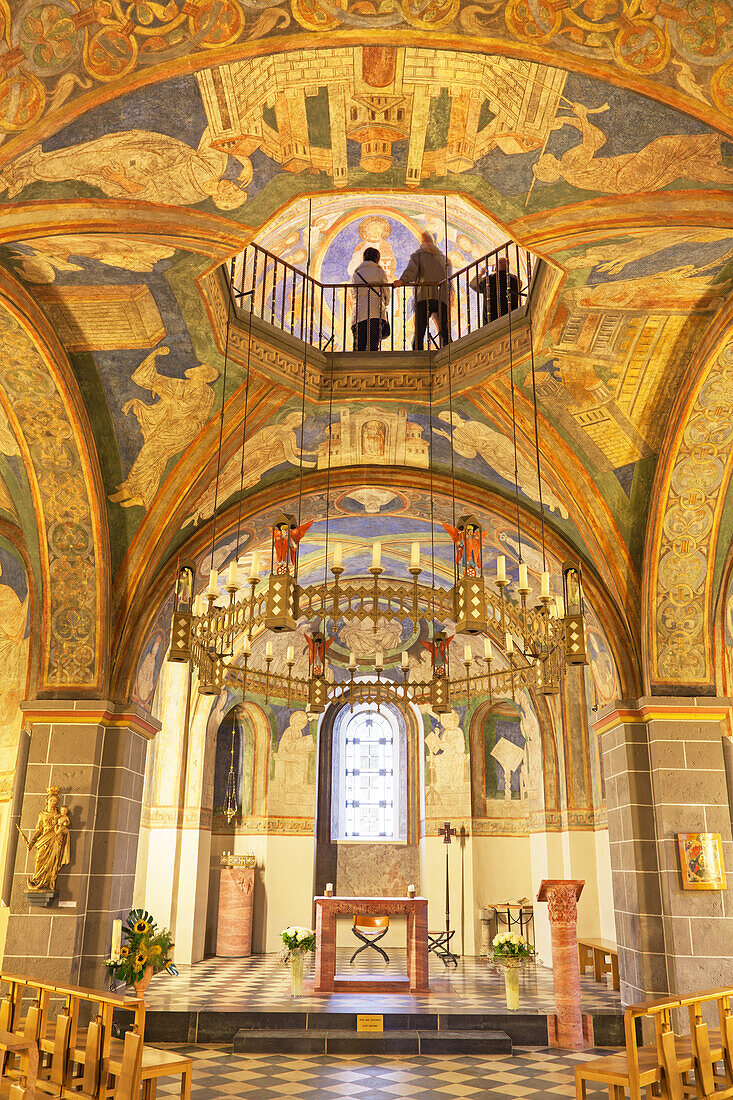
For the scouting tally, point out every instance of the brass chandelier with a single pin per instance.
(216, 637)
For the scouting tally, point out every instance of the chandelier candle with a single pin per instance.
(415, 555)
(488, 654)
(545, 587)
(378, 659)
(232, 584)
(523, 583)
(338, 552)
(213, 589)
(254, 569)
(509, 643)
(377, 555)
(501, 569)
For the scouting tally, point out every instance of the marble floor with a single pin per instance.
(261, 983)
(530, 1073)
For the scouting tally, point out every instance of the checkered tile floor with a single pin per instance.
(533, 1074)
(262, 983)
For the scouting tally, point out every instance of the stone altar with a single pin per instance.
(416, 912)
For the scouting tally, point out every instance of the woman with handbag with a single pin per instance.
(371, 297)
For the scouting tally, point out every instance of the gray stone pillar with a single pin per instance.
(94, 752)
(665, 774)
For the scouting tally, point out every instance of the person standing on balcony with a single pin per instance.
(428, 271)
(498, 295)
(371, 297)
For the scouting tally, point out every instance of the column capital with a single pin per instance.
(662, 708)
(561, 895)
(100, 712)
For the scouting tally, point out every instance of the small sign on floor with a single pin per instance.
(372, 1022)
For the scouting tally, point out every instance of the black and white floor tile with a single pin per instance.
(261, 983)
(530, 1073)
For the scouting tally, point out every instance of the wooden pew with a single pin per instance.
(27, 1052)
(602, 955)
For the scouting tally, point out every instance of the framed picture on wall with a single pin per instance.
(701, 861)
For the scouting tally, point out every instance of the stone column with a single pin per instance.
(94, 752)
(562, 896)
(665, 774)
(234, 924)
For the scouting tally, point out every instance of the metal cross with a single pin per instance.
(446, 832)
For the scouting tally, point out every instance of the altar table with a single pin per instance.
(416, 912)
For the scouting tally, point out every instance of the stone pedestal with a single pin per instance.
(665, 771)
(94, 752)
(234, 925)
(562, 896)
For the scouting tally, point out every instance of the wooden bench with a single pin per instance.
(602, 955)
(75, 1061)
(664, 1067)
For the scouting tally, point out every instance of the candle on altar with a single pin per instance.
(329, 889)
(411, 891)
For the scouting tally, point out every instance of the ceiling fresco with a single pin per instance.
(612, 184)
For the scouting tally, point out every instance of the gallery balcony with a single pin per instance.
(283, 322)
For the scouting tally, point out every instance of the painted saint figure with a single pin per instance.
(665, 159)
(286, 537)
(438, 650)
(167, 426)
(51, 843)
(318, 647)
(467, 537)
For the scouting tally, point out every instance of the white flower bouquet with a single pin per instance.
(297, 940)
(510, 947)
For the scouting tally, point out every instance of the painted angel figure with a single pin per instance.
(438, 650)
(467, 538)
(318, 647)
(287, 539)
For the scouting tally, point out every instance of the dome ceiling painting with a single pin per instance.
(124, 188)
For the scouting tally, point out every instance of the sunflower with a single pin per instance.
(140, 927)
(140, 959)
(124, 952)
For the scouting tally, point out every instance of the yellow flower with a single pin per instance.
(124, 952)
(140, 960)
(140, 927)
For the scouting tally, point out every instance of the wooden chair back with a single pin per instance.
(128, 1082)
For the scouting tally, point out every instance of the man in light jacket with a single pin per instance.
(428, 271)
(371, 297)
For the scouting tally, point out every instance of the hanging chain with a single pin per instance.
(244, 420)
(536, 427)
(221, 415)
(514, 412)
(304, 310)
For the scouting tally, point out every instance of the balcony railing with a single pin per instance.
(323, 314)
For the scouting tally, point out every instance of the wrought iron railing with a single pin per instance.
(323, 314)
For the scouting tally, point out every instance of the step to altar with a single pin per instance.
(325, 1040)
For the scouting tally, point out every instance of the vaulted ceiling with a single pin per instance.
(145, 144)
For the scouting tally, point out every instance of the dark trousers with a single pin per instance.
(368, 334)
(423, 312)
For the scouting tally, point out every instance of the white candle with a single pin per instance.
(377, 555)
(501, 568)
(338, 555)
(213, 582)
(247, 646)
(254, 569)
(405, 659)
(291, 655)
(196, 606)
(411, 891)
(329, 889)
(523, 576)
(116, 940)
(545, 588)
(268, 649)
(487, 649)
(467, 655)
(509, 643)
(560, 605)
(352, 660)
(232, 575)
(415, 555)
(378, 659)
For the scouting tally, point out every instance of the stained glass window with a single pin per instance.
(368, 779)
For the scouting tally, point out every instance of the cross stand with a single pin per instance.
(439, 942)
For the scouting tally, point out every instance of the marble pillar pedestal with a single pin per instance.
(567, 1029)
(234, 925)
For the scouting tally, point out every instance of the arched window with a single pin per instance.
(369, 777)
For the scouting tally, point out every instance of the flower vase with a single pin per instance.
(142, 983)
(511, 984)
(297, 961)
